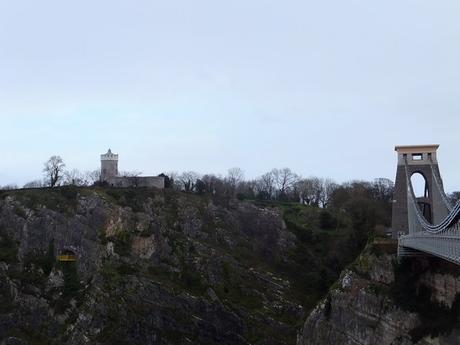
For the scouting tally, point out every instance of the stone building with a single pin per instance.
(110, 175)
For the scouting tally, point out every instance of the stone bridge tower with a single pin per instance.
(421, 159)
(109, 165)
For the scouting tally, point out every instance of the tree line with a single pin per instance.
(282, 185)
(276, 185)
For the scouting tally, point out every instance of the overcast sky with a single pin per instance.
(327, 88)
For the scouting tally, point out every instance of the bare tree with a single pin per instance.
(301, 188)
(214, 184)
(265, 186)
(174, 180)
(328, 187)
(188, 180)
(172, 175)
(54, 170)
(383, 189)
(246, 189)
(454, 197)
(310, 190)
(75, 178)
(93, 177)
(285, 180)
(234, 177)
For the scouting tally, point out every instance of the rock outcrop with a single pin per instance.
(152, 267)
(378, 301)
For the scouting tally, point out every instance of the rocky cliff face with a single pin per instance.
(152, 267)
(378, 301)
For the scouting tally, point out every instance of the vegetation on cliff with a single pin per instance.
(165, 267)
(412, 294)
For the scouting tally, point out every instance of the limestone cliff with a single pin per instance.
(380, 301)
(152, 267)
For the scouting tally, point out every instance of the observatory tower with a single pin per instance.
(109, 165)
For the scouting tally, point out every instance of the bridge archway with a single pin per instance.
(420, 185)
(422, 192)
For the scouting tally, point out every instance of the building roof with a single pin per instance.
(416, 148)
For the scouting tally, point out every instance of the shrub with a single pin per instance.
(8, 249)
(71, 280)
(327, 221)
(123, 240)
(69, 192)
(406, 291)
(192, 280)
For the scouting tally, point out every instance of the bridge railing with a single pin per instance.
(445, 245)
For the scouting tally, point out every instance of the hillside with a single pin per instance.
(162, 267)
(380, 301)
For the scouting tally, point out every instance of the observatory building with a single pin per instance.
(110, 175)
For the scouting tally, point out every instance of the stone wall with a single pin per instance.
(109, 168)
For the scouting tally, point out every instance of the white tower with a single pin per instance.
(109, 165)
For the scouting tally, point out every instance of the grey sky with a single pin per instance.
(324, 87)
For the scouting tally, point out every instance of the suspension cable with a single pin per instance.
(447, 222)
(444, 197)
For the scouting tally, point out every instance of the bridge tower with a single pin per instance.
(109, 165)
(421, 159)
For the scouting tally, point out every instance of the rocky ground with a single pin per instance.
(380, 301)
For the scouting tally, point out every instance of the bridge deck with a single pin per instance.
(446, 247)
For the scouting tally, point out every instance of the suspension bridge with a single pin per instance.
(427, 224)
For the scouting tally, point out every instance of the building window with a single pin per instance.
(417, 156)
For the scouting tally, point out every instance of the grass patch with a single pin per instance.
(59, 199)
